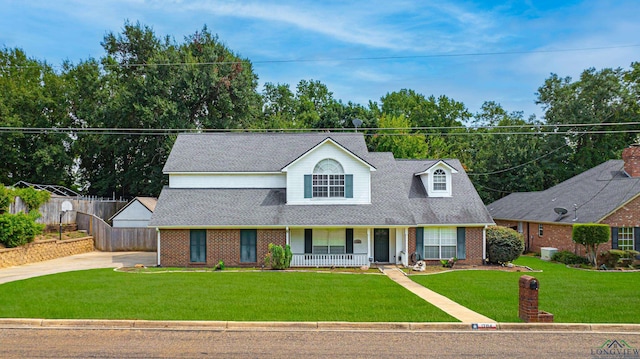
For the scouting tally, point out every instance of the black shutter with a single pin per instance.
(349, 234)
(420, 242)
(462, 244)
(308, 240)
(614, 237)
(636, 238)
(308, 186)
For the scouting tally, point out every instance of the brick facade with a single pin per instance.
(528, 302)
(39, 251)
(222, 244)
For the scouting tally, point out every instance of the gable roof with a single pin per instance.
(463, 207)
(431, 165)
(329, 140)
(251, 152)
(148, 202)
(596, 193)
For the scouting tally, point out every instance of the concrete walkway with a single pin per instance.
(463, 314)
(90, 260)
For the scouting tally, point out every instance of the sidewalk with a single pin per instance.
(83, 261)
(463, 314)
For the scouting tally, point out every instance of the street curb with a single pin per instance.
(14, 323)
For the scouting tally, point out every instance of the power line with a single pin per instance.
(353, 59)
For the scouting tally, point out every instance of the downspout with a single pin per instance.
(158, 250)
(484, 244)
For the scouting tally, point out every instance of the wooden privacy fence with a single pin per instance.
(51, 210)
(111, 239)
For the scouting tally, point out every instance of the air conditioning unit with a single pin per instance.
(547, 252)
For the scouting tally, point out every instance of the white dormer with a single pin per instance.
(437, 179)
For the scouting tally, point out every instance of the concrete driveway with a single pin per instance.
(83, 261)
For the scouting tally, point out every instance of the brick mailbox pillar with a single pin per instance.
(528, 307)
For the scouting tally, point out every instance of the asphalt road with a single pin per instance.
(162, 343)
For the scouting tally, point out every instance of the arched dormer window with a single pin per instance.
(328, 179)
(439, 180)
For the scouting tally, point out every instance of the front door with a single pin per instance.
(381, 245)
(248, 245)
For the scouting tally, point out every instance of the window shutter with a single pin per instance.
(308, 240)
(308, 190)
(614, 237)
(462, 243)
(348, 186)
(636, 239)
(420, 242)
(349, 235)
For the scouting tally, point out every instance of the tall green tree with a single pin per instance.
(596, 98)
(147, 82)
(394, 135)
(32, 95)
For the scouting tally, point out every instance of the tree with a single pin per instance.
(144, 83)
(597, 98)
(394, 136)
(504, 162)
(591, 235)
(32, 96)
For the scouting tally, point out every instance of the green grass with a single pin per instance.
(242, 296)
(571, 295)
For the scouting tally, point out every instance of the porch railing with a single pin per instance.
(328, 260)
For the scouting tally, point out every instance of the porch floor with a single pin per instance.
(445, 304)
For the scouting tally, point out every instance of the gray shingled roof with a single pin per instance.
(255, 152)
(596, 192)
(396, 197)
(464, 206)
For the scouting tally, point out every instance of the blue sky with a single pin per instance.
(362, 49)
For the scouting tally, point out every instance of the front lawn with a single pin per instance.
(571, 295)
(241, 296)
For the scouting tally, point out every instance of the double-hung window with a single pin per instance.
(625, 238)
(329, 241)
(439, 180)
(328, 179)
(440, 243)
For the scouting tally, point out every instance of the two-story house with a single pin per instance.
(334, 202)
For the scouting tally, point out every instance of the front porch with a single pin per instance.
(347, 247)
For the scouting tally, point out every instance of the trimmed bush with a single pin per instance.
(591, 235)
(503, 244)
(570, 258)
(19, 229)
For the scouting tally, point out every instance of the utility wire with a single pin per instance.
(351, 59)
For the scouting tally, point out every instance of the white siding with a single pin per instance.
(135, 215)
(360, 171)
(226, 180)
(427, 181)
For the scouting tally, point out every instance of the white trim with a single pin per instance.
(287, 236)
(405, 258)
(158, 249)
(426, 171)
(223, 173)
(484, 244)
(326, 140)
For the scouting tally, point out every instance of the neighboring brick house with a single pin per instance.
(608, 193)
(334, 202)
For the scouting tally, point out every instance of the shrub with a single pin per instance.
(5, 198)
(567, 257)
(503, 244)
(614, 257)
(591, 235)
(32, 197)
(278, 258)
(18, 229)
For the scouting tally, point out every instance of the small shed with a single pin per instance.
(135, 214)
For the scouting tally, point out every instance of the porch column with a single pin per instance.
(158, 249)
(484, 244)
(287, 236)
(369, 251)
(405, 258)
